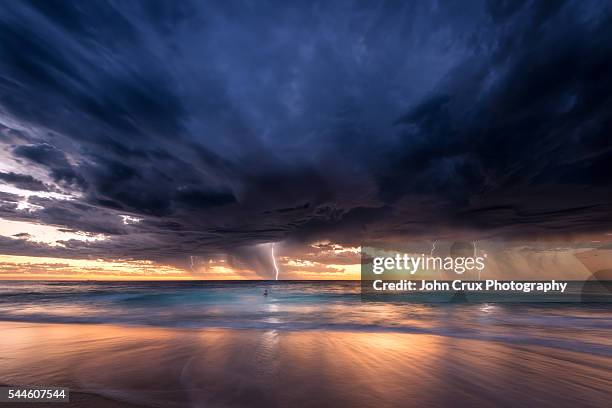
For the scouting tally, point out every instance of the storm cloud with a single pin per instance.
(223, 125)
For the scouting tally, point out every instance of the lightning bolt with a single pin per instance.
(191, 262)
(274, 261)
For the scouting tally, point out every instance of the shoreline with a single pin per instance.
(601, 350)
(153, 366)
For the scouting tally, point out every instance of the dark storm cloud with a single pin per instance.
(227, 124)
(46, 155)
(535, 119)
(23, 181)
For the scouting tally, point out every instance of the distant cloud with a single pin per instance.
(23, 181)
(221, 128)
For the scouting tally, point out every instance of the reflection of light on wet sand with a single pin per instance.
(487, 308)
(272, 308)
(314, 368)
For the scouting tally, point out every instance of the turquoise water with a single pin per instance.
(302, 306)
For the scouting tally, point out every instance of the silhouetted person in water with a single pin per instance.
(266, 292)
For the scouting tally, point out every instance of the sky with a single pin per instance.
(178, 140)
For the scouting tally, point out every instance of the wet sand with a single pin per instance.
(137, 366)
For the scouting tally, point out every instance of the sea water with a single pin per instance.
(302, 305)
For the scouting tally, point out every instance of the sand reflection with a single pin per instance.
(216, 367)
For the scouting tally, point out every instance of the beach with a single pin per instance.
(160, 367)
(312, 344)
(271, 204)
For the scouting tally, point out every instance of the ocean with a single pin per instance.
(307, 344)
(302, 305)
